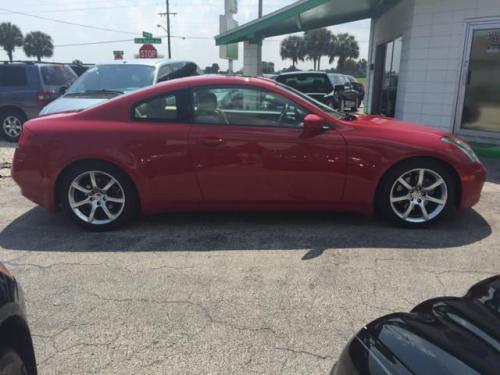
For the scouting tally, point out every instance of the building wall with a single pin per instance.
(433, 46)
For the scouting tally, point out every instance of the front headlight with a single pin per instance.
(462, 146)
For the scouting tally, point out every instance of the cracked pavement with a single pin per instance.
(228, 293)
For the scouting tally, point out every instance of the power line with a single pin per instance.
(67, 22)
(89, 8)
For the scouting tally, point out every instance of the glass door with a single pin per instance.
(387, 76)
(479, 113)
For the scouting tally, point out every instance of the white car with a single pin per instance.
(105, 81)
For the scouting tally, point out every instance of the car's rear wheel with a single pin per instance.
(11, 124)
(416, 193)
(98, 196)
(11, 363)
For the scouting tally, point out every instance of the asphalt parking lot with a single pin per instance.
(228, 293)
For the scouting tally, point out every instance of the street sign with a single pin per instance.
(118, 55)
(229, 51)
(147, 35)
(147, 40)
(148, 51)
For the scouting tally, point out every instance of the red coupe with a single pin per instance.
(235, 143)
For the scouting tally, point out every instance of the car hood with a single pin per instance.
(447, 335)
(65, 104)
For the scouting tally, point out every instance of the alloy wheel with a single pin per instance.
(96, 197)
(419, 195)
(12, 126)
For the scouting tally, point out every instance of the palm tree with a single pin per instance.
(292, 48)
(346, 48)
(38, 44)
(10, 38)
(332, 50)
(317, 43)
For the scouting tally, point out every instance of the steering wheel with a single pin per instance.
(283, 114)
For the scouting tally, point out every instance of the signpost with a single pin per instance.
(148, 51)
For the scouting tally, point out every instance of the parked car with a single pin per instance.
(176, 146)
(105, 81)
(331, 89)
(446, 335)
(25, 88)
(17, 356)
(348, 94)
(359, 87)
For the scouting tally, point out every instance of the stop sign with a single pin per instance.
(148, 51)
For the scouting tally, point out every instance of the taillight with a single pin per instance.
(44, 98)
(25, 138)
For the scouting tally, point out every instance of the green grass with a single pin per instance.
(486, 150)
(363, 80)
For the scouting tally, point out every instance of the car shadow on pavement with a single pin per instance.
(40, 230)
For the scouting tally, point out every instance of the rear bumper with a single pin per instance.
(30, 176)
(472, 181)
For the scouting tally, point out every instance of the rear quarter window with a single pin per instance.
(13, 76)
(57, 75)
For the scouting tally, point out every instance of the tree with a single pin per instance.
(10, 38)
(346, 48)
(213, 69)
(267, 67)
(77, 62)
(317, 44)
(38, 44)
(293, 48)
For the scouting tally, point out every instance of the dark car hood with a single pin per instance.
(447, 335)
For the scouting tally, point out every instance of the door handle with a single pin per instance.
(212, 141)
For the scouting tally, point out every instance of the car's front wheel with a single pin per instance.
(98, 196)
(11, 124)
(416, 193)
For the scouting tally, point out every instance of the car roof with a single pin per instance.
(300, 73)
(148, 62)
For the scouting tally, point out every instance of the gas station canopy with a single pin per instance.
(305, 15)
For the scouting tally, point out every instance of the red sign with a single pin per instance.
(148, 51)
(118, 55)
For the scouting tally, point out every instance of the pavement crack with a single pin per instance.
(303, 352)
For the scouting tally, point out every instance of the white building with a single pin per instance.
(432, 62)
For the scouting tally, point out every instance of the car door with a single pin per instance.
(160, 143)
(252, 149)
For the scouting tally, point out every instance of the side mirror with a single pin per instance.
(339, 87)
(62, 90)
(314, 123)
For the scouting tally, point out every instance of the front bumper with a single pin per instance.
(472, 181)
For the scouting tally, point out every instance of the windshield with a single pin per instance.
(321, 106)
(120, 78)
(57, 75)
(312, 83)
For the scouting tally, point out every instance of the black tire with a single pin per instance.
(356, 105)
(390, 181)
(9, 117)
(125, 188)
(11, 363)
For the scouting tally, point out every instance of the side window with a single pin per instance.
(13, 76)
(162, 108)
(233, 105)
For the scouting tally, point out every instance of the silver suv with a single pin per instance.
(25, 88)
(105, 81)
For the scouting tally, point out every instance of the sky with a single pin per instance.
(119, 21)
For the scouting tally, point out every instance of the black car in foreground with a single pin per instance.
(331, 89)
(446, 335)
(17, 356)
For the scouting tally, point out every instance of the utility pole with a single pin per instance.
(167, 14)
